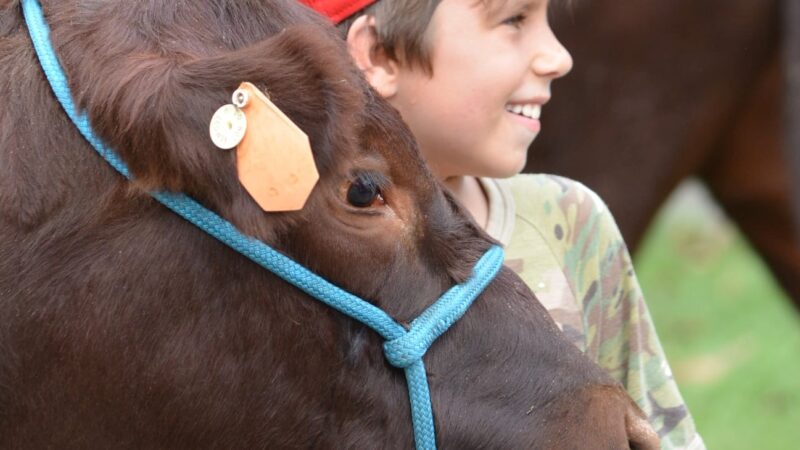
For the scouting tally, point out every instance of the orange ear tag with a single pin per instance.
(274, 157)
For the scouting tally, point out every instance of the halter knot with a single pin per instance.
(406, 350)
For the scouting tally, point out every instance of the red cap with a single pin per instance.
(337, 10)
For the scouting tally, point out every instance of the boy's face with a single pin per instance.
(488, 63)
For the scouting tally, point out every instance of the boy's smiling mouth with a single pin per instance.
(527, 114)
(529, 110)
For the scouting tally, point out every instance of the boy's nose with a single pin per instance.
(552, 60)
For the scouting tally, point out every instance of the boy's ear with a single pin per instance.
(380, 70)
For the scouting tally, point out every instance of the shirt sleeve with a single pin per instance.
(619, 332)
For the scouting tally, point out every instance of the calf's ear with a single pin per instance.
(155, 110)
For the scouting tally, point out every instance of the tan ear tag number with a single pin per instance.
(274, 158)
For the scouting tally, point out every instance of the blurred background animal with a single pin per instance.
(662, 91)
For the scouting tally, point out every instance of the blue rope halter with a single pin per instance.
(403, 348)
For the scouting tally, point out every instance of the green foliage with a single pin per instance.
(730, 333)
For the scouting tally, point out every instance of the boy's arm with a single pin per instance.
(620, 334)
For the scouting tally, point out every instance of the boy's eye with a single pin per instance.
(516, 20)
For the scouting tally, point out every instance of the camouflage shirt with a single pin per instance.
(563, 242)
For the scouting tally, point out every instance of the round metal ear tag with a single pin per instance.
(240, 98)
(227, 127)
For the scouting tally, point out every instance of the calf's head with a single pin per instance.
(128, 326)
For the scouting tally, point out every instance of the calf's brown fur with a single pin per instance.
(122, 326)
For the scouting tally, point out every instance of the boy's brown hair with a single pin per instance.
(401, 29)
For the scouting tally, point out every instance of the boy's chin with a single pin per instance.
(513, 166)
(508, 170)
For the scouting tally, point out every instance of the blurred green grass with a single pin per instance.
(730, 333)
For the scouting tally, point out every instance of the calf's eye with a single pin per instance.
(364, 192)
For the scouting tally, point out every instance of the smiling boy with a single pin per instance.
(470, 78)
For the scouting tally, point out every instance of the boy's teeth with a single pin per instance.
(531, 111)
(527, 110)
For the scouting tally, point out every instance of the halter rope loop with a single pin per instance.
(403, 349)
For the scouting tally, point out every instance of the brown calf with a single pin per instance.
(122, 326)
